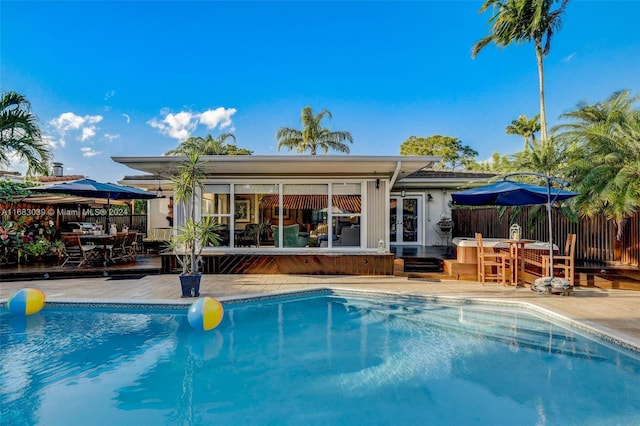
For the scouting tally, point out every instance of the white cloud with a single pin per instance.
(88, 133)
(178, 126)
(89, 152)
(182, 124)
(111, 137)
(69, 122)
(570, 57)
(127, 118)
(219, 117)
(109, 94)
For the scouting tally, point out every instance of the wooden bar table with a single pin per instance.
(516, 250)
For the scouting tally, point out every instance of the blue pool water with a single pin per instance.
(325, 359)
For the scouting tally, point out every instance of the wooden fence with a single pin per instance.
(136, 222)
(596, 237)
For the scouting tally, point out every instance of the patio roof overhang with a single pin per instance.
(60, 199)
(242, 166)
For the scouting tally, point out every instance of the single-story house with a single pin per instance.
(301, 205)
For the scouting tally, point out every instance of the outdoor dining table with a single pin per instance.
(516, 250)
(103, 239)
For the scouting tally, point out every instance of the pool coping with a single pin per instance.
(604, 334)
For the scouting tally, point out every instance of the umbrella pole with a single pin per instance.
(549, 210)
(108, 226)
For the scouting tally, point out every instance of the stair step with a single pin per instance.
(422, 264)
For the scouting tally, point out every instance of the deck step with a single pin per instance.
(422, 264)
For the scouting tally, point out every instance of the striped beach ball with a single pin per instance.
(205, 313)
(26, 301)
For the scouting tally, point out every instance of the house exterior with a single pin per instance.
(301, 205)
(430, 191)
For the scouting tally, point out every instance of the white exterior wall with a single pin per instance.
(157, 212)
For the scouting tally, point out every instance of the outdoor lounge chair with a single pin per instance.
(157, 239)
(491, 265)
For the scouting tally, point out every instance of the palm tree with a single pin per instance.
(313, 135)
(604, 157)
(20, 135)
(523, 21)
(209, 146)
(525, 128)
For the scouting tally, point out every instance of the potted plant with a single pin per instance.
(194, 234)
(445, 224)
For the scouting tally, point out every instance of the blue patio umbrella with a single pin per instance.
(93, 189)
(510, 193)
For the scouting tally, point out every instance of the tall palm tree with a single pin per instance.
(525, 128)
(209, 146)
(20, 135)
(524, 21)
(604, 159)
(313, 135)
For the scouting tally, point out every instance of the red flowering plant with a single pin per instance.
(10, 243)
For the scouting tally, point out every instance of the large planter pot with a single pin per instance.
(190, 285)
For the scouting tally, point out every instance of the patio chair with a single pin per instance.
(116, 252)
(129, 247)
(77, 253)
(491, 265)
(564, 262)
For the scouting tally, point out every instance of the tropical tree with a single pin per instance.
(313, 136)
(604, 157)
(209, 146)
(525, 21)
(453, 153)
(546, 157)
(20, 135)
(525, 128)
(498, 163)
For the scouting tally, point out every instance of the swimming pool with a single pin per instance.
(319, 358)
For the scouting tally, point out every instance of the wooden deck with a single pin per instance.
(419, 260)
(587, 275)
(290, 263)
(144, 265)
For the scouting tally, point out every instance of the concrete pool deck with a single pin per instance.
(613, 312)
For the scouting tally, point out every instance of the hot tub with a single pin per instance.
(465, 248)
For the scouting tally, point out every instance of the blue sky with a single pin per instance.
(135, 78)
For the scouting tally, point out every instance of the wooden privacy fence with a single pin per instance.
(596, 237)
(136, 222)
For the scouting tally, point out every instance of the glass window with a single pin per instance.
(216, 204)
(346, 211)
(251, 217)
(260, 216)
